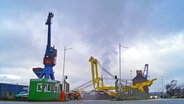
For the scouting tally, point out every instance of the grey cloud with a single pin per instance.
(108, 23)
(99, 24)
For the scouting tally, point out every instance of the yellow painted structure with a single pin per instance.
(98, 83)
(140, 86)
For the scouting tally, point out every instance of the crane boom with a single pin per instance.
(140, 86)
(145, 73)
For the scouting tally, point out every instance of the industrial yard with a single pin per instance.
(46, 88)
(93, 51)
(158, 101)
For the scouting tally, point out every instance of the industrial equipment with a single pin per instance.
(75, 95)
(145, 72)
(49, 59)
(140, 86)
(45, 87)
(98, 82)
(83, 86)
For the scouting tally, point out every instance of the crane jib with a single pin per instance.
(48, 48)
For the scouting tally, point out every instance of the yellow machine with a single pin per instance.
(140, 86)
(98, 83)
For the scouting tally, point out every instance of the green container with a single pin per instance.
(44, 90)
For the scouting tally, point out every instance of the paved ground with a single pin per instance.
(154, 101)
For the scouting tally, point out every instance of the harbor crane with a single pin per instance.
(145, 72)
(98, 82)
(49, 59)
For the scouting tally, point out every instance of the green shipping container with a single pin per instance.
(44, 90)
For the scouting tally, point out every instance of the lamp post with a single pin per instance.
(120, 60)
(65, 49)
(131, 77)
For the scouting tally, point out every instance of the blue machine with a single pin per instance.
(49, 59)
(145, 73)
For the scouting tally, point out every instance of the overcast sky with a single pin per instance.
(153, 31)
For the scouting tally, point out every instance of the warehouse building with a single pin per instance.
(8, 91)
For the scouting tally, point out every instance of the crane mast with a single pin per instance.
(95, 78)
(98, 83)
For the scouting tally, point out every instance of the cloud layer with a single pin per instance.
(153, 31)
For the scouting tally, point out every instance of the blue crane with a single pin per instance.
(145, 73)
(49, 59)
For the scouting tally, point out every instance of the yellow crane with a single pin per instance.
(98, 83)
(140, 86)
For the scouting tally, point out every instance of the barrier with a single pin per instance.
(62, 96)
